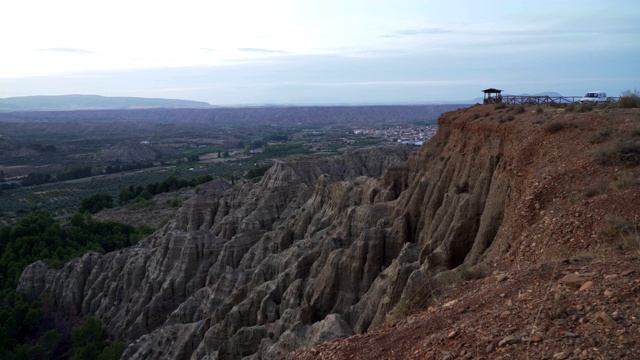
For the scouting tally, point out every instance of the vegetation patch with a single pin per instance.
(29, 328)
(258, 171)
(596, 189)
(629, 99)
(625, 153)
(556, 126)
(583, 108)
(626, 179)
(95, 203)
(507, 119)
(600, 137)
(621, 233)
(471, 274)
(169, 184)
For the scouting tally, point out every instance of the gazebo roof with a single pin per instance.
(492, 91)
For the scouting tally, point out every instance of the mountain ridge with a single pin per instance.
(84, 102)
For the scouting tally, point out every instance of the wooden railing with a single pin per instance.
(538, 100)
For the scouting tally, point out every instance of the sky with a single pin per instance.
(251, 52)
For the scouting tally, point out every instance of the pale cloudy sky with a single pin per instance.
(317, 51)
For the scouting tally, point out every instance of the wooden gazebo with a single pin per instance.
(492, 96)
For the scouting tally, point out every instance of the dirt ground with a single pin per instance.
(568, 285)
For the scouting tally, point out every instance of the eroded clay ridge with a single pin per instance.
(318, 249)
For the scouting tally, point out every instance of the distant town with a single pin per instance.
(406, 134)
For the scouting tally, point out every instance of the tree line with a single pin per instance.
(79, 172)
(30, 328)
(169, 184)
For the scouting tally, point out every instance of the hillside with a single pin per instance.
(325, 248)
(77, 102)
(562, 277)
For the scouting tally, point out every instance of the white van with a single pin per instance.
(594, 97)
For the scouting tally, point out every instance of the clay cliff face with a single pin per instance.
(318, 249)
(200, 281)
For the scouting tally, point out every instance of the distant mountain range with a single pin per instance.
(84, 102)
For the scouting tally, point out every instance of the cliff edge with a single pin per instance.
(325, 248)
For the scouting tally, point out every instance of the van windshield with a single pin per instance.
(591, 95)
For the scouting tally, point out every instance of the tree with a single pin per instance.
(145, 195)
(91, 341)
(95, 203)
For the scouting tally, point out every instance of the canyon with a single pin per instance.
(329, 247)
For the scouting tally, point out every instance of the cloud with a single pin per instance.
(402, 83)
(262, 51)
(68, 50)
(412, 32)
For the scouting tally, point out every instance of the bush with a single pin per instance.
(596, 189)
(508, 118)
(91, 341)
(173, 203)
(629, 99)
(95, 203)
(626, 179)
(471, 274)
(620, 233)
(258, 171)
(599, 137)
(625, 153)
(583, 108)
(555, 127)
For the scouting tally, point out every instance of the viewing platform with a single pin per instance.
(494, 96)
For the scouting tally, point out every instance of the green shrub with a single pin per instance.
(258, 171)
(173, 203)
(91, 341)
(95, 203)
